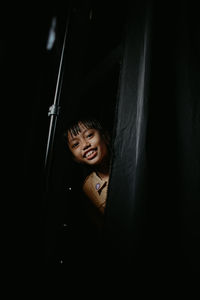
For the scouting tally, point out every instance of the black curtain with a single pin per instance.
(152, 216)
(125, 213)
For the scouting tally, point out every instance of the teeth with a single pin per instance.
(89, 153)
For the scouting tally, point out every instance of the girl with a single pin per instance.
(89, 144)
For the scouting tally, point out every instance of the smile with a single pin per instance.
(90, 154)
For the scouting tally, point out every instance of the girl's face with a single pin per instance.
(88, 146)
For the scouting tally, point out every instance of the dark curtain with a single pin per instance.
(153, 203)
(126, 199)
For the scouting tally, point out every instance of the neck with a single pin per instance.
(103, 169)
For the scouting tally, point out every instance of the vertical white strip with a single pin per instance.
(141, 93)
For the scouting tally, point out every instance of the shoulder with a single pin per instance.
(96, 190)
(90, 180)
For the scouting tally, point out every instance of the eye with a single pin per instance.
(75, 145)
(90, 135)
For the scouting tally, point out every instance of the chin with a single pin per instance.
(94, 161)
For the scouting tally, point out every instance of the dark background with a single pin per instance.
(38, 215)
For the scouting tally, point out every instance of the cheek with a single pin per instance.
(104, 149)
(98, 141)
(76, 154)
(77, 158)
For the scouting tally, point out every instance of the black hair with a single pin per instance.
(89, 122)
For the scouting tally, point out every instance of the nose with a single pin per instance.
(86, 145)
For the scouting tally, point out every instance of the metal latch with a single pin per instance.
(54, 110)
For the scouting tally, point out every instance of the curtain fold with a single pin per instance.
(126, 208)
(153, 210)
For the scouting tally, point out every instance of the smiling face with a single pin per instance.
(88, 146)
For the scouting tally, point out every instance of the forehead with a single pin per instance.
(78, 130)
